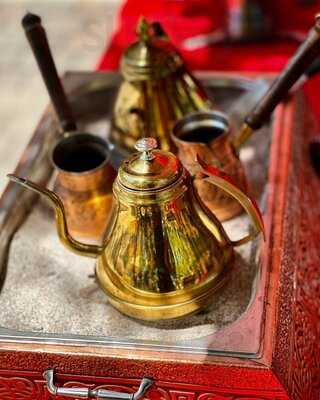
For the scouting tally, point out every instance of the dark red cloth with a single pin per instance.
(185, 19)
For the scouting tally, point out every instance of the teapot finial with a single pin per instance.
(145, 146)
(143, 29)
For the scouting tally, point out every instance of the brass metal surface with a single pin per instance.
(143, 60)
(242, 136)
(149, 169)
(164, 253)
(157, 90)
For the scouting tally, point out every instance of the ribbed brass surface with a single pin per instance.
(157, 90)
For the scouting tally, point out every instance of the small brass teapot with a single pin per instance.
(164, 253)
(156, 91)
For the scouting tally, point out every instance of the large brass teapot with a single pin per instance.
(157, 90)
(164, 253)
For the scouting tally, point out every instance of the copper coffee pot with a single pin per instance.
(208, 134)
(157, 90)
(82, 160)
(164, 253)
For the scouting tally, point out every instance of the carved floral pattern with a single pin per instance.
(305, 380)
(20, 388)
(297, 351)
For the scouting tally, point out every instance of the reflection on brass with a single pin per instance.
(156, 91)
(207, 134)
(84, 183)
(164, 253)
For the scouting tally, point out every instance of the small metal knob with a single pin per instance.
(145, 146)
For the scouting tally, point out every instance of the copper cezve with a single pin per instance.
(207, 133)
(82, 160)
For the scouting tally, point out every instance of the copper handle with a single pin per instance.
(303, 57)
(225, 182)
(38, 41)
(86, 393)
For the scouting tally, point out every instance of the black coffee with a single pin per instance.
(81, 157)
(201, 135)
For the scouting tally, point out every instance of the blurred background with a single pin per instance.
(223, 35)
(78, 31)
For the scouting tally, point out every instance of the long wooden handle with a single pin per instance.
(303, 57)
(37, 38)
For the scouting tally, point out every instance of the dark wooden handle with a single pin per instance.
(304, 56)
(39, 43)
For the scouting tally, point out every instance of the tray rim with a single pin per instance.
(29, 338)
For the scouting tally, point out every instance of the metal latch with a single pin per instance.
(85, 393)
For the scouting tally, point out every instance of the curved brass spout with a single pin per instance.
(88, 250)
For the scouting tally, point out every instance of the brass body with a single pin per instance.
(219, 151)
(156, 91)
(164, 253)
(171, 263)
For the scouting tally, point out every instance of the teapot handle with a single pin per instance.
(226, 183)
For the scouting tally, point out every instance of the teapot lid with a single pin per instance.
(149, 169)
(144, 60)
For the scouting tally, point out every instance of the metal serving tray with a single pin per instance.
(92, 96)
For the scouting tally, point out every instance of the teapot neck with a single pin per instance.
(152, 196)
(169, 198)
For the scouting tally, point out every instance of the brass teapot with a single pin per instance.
(164, 253)
(157, 90)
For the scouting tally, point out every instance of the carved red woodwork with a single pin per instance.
(287, 365)
(27, 389)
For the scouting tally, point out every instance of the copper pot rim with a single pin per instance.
(75, 135)
(198, 119)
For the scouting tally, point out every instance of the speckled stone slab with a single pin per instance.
(49, 289)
